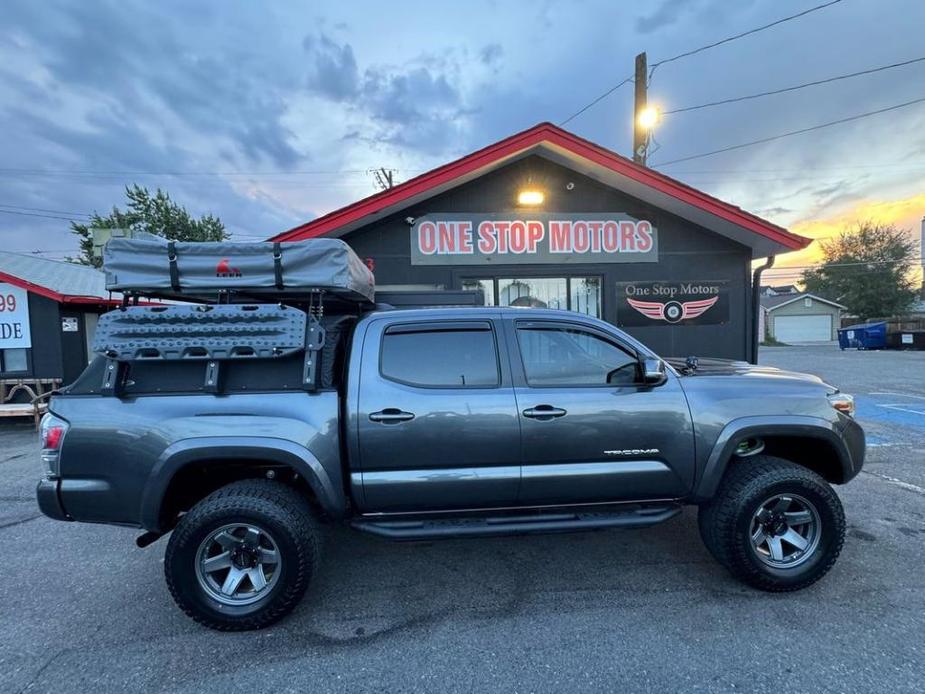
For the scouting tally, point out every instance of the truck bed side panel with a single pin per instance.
(137, 436)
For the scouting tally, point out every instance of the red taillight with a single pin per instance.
(51, 437)
(52, 431)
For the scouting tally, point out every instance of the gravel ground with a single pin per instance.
(649, 610)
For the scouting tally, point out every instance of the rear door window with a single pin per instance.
(441, 355)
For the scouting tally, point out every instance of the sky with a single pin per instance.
(269, 114)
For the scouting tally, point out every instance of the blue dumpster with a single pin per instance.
(863, 336)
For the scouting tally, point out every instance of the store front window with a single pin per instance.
(579, 294)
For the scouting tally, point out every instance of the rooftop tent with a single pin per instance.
(206, 271)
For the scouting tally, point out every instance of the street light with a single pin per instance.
(649, 117)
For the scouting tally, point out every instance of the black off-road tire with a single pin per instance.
(279, 509)
(725, 522)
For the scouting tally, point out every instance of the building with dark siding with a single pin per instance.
(48, 314)
(545, 218)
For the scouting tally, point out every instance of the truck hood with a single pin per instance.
(730, 367)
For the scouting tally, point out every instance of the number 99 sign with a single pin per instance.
(7, 303)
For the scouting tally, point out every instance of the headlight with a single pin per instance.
(52, 433)
(842, 402)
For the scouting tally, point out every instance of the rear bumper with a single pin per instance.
(47, 493)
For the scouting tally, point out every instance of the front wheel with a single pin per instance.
(773, 524)
(243, 556)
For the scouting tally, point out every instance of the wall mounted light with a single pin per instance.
(530, 198)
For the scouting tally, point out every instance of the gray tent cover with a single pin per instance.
(144, 266)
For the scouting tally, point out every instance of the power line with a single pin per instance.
(693, 52)
(35, 214)
(818, 266)
(597, 100)
(897, 164)
(792, 132)
(41, 209)
(794, 88)
(687, 54)
(79, 172)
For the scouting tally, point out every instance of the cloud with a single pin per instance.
(337, 89)
(333, 69)
(491, 53)
(413, 105)
(905, 213)
(666, 14)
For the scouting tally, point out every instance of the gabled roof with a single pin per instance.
(567, 149)
(780, 288)
(774, 302)
(66, 283)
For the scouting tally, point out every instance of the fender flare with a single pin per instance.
(186, 452)
(778, 425)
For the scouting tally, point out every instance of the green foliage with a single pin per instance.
(155, 214)
(868, 269)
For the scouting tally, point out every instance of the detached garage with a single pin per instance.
(798, 318)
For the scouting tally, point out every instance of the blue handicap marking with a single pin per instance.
(906, 410)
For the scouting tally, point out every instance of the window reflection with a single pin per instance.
(535, 293)
(487, 287)
(585, 295)
(579, 294)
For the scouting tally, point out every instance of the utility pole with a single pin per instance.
(640, 133)
(383, 177)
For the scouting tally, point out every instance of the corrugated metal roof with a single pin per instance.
(67, 279)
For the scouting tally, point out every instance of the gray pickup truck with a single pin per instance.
(436, 423)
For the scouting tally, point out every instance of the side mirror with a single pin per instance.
(653, 371)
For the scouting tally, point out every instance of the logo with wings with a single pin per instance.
(672, 311)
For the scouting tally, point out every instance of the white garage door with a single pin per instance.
(812, 328)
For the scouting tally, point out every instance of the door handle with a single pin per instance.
(391, 415)
(544, 412)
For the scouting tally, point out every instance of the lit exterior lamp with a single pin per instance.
(530, 198)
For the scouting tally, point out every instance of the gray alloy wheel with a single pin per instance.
(238, 564)
(785, 530)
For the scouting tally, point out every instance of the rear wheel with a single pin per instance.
(773, 524)
(243, 556)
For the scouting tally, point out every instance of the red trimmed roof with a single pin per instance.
(53, 295)
(551, 134)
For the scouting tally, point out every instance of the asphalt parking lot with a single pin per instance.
(84, 609)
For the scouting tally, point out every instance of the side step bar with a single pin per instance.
(426, 529)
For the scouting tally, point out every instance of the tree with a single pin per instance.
(155, 214)
(867, 268)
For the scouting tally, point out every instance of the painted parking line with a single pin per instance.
(893, 392)
(908, 486)
(901, 407)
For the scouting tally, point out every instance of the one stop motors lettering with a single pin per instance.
(503, 237)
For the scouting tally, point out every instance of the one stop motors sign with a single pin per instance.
(14, 318)
(476, 239)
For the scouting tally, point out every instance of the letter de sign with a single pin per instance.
(15, 332)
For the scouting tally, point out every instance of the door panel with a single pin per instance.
(449, 441)
(811, 328)
(614, 442)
